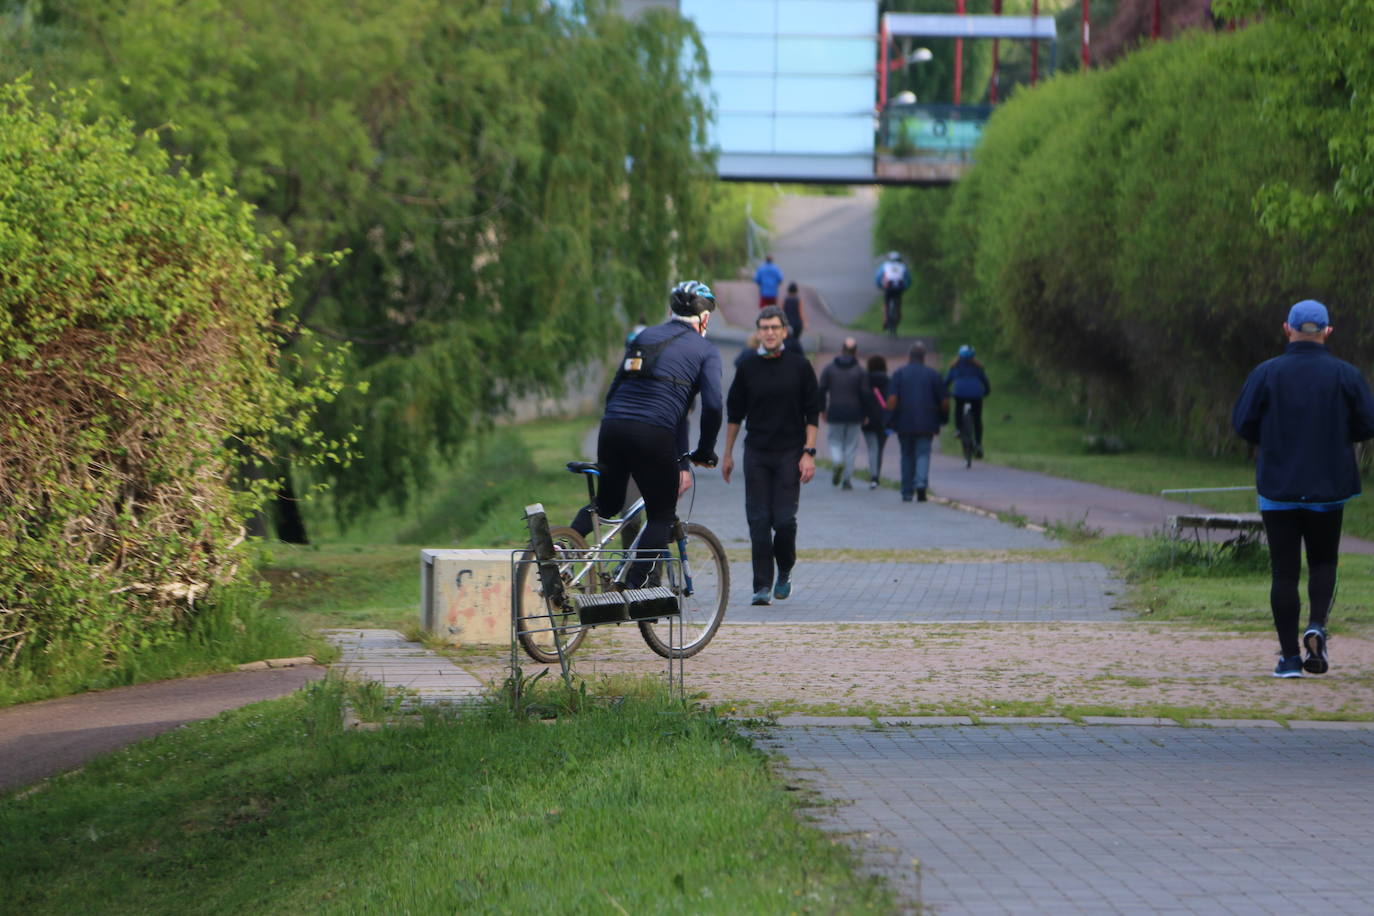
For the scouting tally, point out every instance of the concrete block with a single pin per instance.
(465, 596)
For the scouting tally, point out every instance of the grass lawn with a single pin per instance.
(647, 807)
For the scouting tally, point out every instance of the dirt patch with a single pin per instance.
(992, 669)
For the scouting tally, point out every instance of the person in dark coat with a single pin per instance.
(1304, 410)
(875, 419)
(796, 318)
(916, 397)
(844, 402)
(967, 381)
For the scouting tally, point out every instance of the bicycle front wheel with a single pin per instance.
(703, 596)
(538, 626)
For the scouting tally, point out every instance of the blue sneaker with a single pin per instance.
(783, 589)
(1289, 667)
(1314, 641)
(762, 596)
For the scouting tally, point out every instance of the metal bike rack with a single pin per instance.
(591, 608)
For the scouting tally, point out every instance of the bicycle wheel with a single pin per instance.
(537, 625)
(703, 608)
(966, 435)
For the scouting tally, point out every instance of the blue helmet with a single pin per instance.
(691, 298)
(966, 351)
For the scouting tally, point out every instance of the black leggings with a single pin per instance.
(625, 449)
(1288, 530)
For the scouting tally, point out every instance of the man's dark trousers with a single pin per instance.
(772, 492)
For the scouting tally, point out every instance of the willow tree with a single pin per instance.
(507, 180)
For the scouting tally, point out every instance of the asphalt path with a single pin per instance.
(41, 739)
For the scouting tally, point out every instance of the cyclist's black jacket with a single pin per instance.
(1304, 409)
(695, 365)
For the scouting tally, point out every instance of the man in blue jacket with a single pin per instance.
(1304, 410)
(916, 397)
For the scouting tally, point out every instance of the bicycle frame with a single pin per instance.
(617, 525)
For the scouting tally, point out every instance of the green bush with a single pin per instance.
(1112, 231)
(139, 373)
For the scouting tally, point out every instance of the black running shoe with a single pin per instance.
(1289, 667)
(1314, 641)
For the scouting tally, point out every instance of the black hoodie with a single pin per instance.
(844, 390)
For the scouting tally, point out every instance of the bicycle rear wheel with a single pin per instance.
(538, 626)
(703, 606)
(966, 435)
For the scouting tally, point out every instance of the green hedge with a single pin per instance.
(1111, 232)
(138, 369)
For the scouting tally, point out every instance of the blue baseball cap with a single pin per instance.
(1308, 317)
(965, 351)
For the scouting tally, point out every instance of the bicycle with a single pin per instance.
(698, 575)
(967, 437)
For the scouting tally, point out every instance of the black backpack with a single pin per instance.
(642, 361)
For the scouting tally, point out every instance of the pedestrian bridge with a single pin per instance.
(799, 90)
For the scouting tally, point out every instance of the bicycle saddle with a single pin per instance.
(584, 467)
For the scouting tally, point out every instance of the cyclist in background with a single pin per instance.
(892, 278)
(644, 429)
(967, 381)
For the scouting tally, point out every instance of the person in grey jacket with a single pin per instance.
(1304, 410)
(916, 396)
(844, 402)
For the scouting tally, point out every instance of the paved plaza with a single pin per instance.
(1102, 819)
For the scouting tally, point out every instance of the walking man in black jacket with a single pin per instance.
(775, 393)
(844, 403)
(1304, 410)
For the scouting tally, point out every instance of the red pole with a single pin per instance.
(1154, 22)
(959, 57)
(1086, 28)
(992, 88)
(882, 64)
(1035, 46)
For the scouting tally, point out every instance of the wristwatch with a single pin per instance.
(809, 451)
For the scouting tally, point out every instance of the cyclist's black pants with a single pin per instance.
(625, 449)
(1288, 530)
(772, 491)
(977, 415)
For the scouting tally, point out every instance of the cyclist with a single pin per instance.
(892, 278)
(644, 429)
(967, 381)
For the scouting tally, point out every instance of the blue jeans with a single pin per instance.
(844, 443)
(915, 462)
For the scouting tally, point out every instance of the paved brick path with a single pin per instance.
(1089, 819)
(826, 592)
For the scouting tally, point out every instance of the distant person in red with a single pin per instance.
(769, 280)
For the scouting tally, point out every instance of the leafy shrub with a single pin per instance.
(1116, 230)
(138, 368)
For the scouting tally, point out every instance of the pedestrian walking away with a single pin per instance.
(775, 395)
(845, 398)
(1304, 410)
(796, 318)
(916, 397)
(643, 433)
(876, 418)
(967, 382)
(892, 278)
(769, 279)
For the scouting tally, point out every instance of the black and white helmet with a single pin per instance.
(691, 298)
